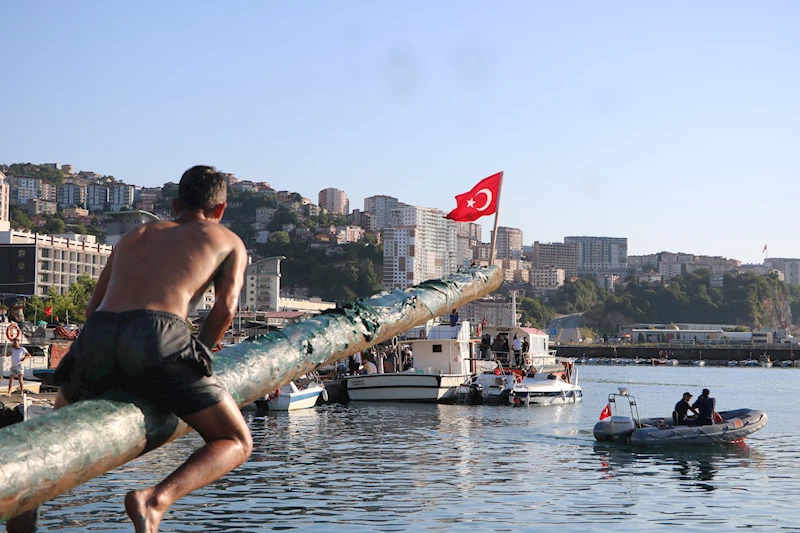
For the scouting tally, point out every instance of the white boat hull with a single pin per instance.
(404, 386)
(292, 401)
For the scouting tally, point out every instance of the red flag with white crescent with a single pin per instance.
(606, 412)
(478, 202)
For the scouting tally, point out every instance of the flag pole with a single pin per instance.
(496, 217)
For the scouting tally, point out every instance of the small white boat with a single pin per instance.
(732, 363)
(540, 378)
(699, 362)
(299, 394)
(729, 426)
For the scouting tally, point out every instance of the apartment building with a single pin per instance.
(601, 255)
(420, 245)
(334, 200)
(97, 197)
(508, 244)
(70, 195)
(547, 277)
(5, 201)
(381, 206)
(32, 264)
(468, 238)
(556, 255)
(262, 285)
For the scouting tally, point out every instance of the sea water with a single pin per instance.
(416, 467)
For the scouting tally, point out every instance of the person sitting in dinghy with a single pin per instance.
(705, 406)
(682, 408)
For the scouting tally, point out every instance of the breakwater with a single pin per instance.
(719, 354)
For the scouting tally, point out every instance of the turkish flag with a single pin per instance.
(480, 201)
(606, 412)
(48, 311)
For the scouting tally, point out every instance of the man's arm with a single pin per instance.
(227, 286)
(100, 289)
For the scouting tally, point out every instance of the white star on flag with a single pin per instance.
(471, 202)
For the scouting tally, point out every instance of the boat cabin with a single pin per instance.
(500, 342)
(445, 349)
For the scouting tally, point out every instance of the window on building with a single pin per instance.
(21, 253)
(20, 266)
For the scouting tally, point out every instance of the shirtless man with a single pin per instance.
(136, 335)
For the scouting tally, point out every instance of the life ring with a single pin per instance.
(13, 332)
(274, 394)
(518, 377)
(324, 395)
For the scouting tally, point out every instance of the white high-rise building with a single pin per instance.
(70, 195)
(468, 238)
(420, 245)
(381, 206)
(97, 197)
(121, 196)
(335, 201)
(24, 188)
(5, 200)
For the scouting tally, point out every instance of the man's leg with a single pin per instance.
(228, 445)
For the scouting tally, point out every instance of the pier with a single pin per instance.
(713, 354)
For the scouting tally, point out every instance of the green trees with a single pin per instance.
(50, 175)
(72, 304)
(535, 312)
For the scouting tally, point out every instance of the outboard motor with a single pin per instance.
(476, 394)
(621, 428)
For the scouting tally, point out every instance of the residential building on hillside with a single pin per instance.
(601, 255)
(48, 192)
(67, 169)
(32, 264)
(121, 196)
(24, 188)
(265, 214)
(508, 243)
(262, 285)
(346, 234)
(5, 201)
(41, 207)
(334, 200)
(548, 277)
(651, 278)
(670, 269)
(556, 255)
(643, 262)
(789, 267)
(381, 206)
(362, 219)
(70, 194)
(468, 237)
(97, 197)
(420, 245)
(150, 196)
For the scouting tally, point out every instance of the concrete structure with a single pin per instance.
(670, 269)
(5, 201)
(789, 267)
(364, 220)
(420, 245)
(262, 285)
(556, 255)
(70, 195)
(40, 207)
(122, 221)
(265, 214)
(547, 277)
(381, 206)
(334, 200)
(508, 243)
(24, 188)
(33, 264)
(305, 305)
(601, 255)
(97, 197)
(346, 234)
(497, 312)
(120, 196)
(649, 279)
(468, 237)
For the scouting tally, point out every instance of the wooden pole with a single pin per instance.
(48, 455)
(496, 218)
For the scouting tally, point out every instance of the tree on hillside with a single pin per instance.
(47, 174)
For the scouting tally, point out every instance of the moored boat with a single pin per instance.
(301, 393)
(729, 426)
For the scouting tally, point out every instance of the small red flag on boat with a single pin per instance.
(480, 201)
(606, 412)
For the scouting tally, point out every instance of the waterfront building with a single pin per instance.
(601, 255)
(119, 222)
(334, 200)
(70, 194)
(381, 206)
(556, 255)
(97, 197)
(5, 201)
(32, 264)
(508, 244)
(420, 245)
(547, 277)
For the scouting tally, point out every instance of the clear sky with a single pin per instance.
(674, 124)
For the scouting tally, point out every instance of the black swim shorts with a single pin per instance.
(149, 353)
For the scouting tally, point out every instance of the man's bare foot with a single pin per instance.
(142, 510)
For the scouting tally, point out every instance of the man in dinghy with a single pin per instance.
(682, 408)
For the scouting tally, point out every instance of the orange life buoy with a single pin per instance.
(518, 377)
(13, 332)
(274, 394)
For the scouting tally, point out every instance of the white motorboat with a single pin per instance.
(540, 378)
(301, 393)
(442, 361)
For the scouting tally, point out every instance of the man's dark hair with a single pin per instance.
(201, 187)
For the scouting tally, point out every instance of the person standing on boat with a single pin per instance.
(705, 406)
(682, 409)
(18, 354)
(516, 345)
